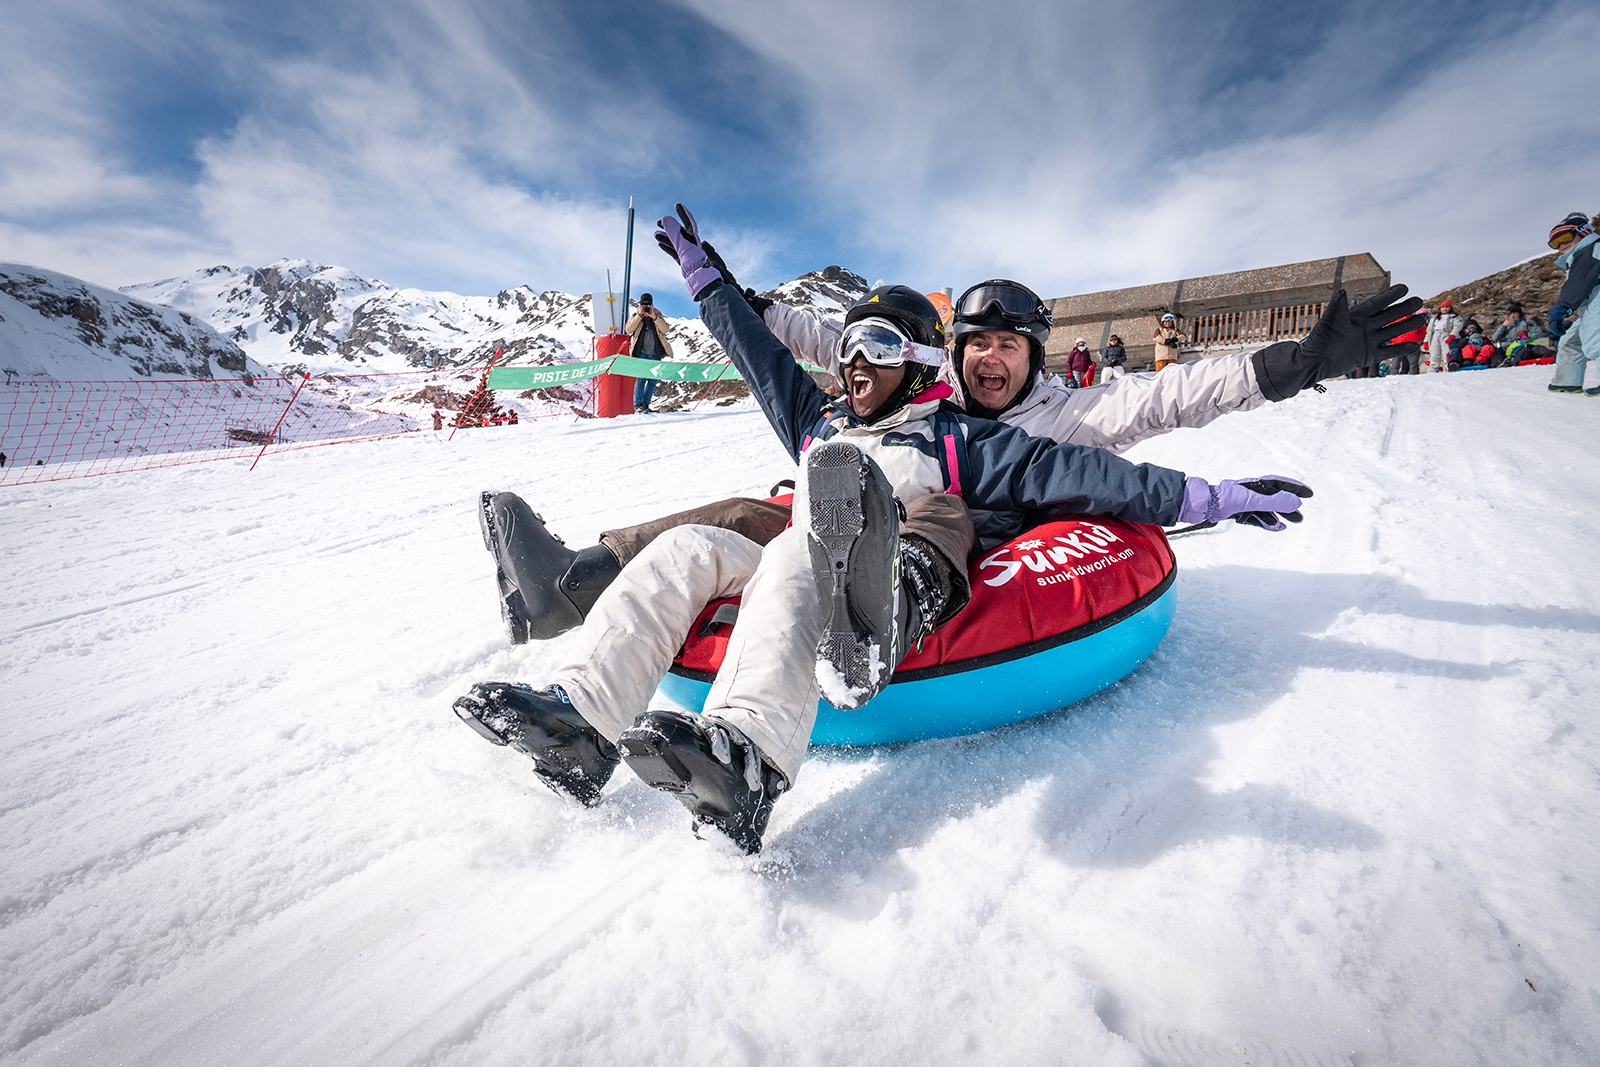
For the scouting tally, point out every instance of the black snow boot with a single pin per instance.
(878, 595)
(568, 754)
(1566, 388)
(546, 588)
(711, 767)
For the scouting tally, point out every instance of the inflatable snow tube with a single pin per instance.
(1057, 614)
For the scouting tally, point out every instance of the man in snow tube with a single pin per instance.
(996, 372)
(837, 598)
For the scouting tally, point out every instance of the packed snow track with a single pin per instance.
(1348, 813)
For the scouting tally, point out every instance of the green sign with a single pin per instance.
(627, 366)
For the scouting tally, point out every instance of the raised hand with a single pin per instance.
(680, 238)
(1344, 339)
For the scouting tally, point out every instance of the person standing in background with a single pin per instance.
(647, 339)
(1168, 340)
(1113, 356)
(1079, 364)
(1444, 326)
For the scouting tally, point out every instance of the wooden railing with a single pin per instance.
(1243, 328)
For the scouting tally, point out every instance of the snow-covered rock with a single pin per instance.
(830, 290)
(56, 327)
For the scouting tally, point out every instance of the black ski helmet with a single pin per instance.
(906, 308)
(1002, 304)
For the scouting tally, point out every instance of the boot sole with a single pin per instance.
(549, 767)
(669, 762)
(836, 482)
(513, 612)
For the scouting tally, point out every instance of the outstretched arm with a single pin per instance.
(1012, 471)
(788, 397)
(1118, 414)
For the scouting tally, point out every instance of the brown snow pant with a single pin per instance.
(941, 519)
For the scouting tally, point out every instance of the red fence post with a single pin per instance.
(271, 436)
(614, 392)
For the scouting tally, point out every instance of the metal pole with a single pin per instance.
(273, 435)
(627, 263)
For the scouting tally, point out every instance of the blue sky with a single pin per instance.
(473, 145)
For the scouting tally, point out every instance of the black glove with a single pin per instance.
(1344, 339)
(757, 304)
(715, 260)
(1558, 315)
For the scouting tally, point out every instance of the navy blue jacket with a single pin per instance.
(1006, 474)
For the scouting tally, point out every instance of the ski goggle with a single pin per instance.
(1011, 302)
(882, 346)
(1564, 237)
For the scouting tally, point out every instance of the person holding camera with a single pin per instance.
(647, 339)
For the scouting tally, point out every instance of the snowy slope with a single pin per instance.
(59, 328)
(1348, 813)
(296, 315)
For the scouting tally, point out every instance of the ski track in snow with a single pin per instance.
(1346, 814)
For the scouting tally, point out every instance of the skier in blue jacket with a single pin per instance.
(831, 604)
(1575, 238)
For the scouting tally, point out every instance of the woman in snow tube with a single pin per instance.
(1057, 614)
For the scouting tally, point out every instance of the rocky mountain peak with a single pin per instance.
(54, 326)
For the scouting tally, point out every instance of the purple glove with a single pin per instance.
(1257, 502)
(682, 242)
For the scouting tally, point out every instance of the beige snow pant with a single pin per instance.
(767, 685)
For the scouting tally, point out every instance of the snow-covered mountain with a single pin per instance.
(830, 290)
(56, 327)
(296, 315)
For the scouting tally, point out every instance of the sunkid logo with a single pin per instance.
(1040, 555)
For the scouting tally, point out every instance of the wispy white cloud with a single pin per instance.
(473, 144)
(1077, 150)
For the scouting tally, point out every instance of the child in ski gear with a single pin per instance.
(1579, 344)
(1444, 326)
(1470, 351)
(891, 436)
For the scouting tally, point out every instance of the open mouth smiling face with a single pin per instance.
(868, 386)
(995, 367)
